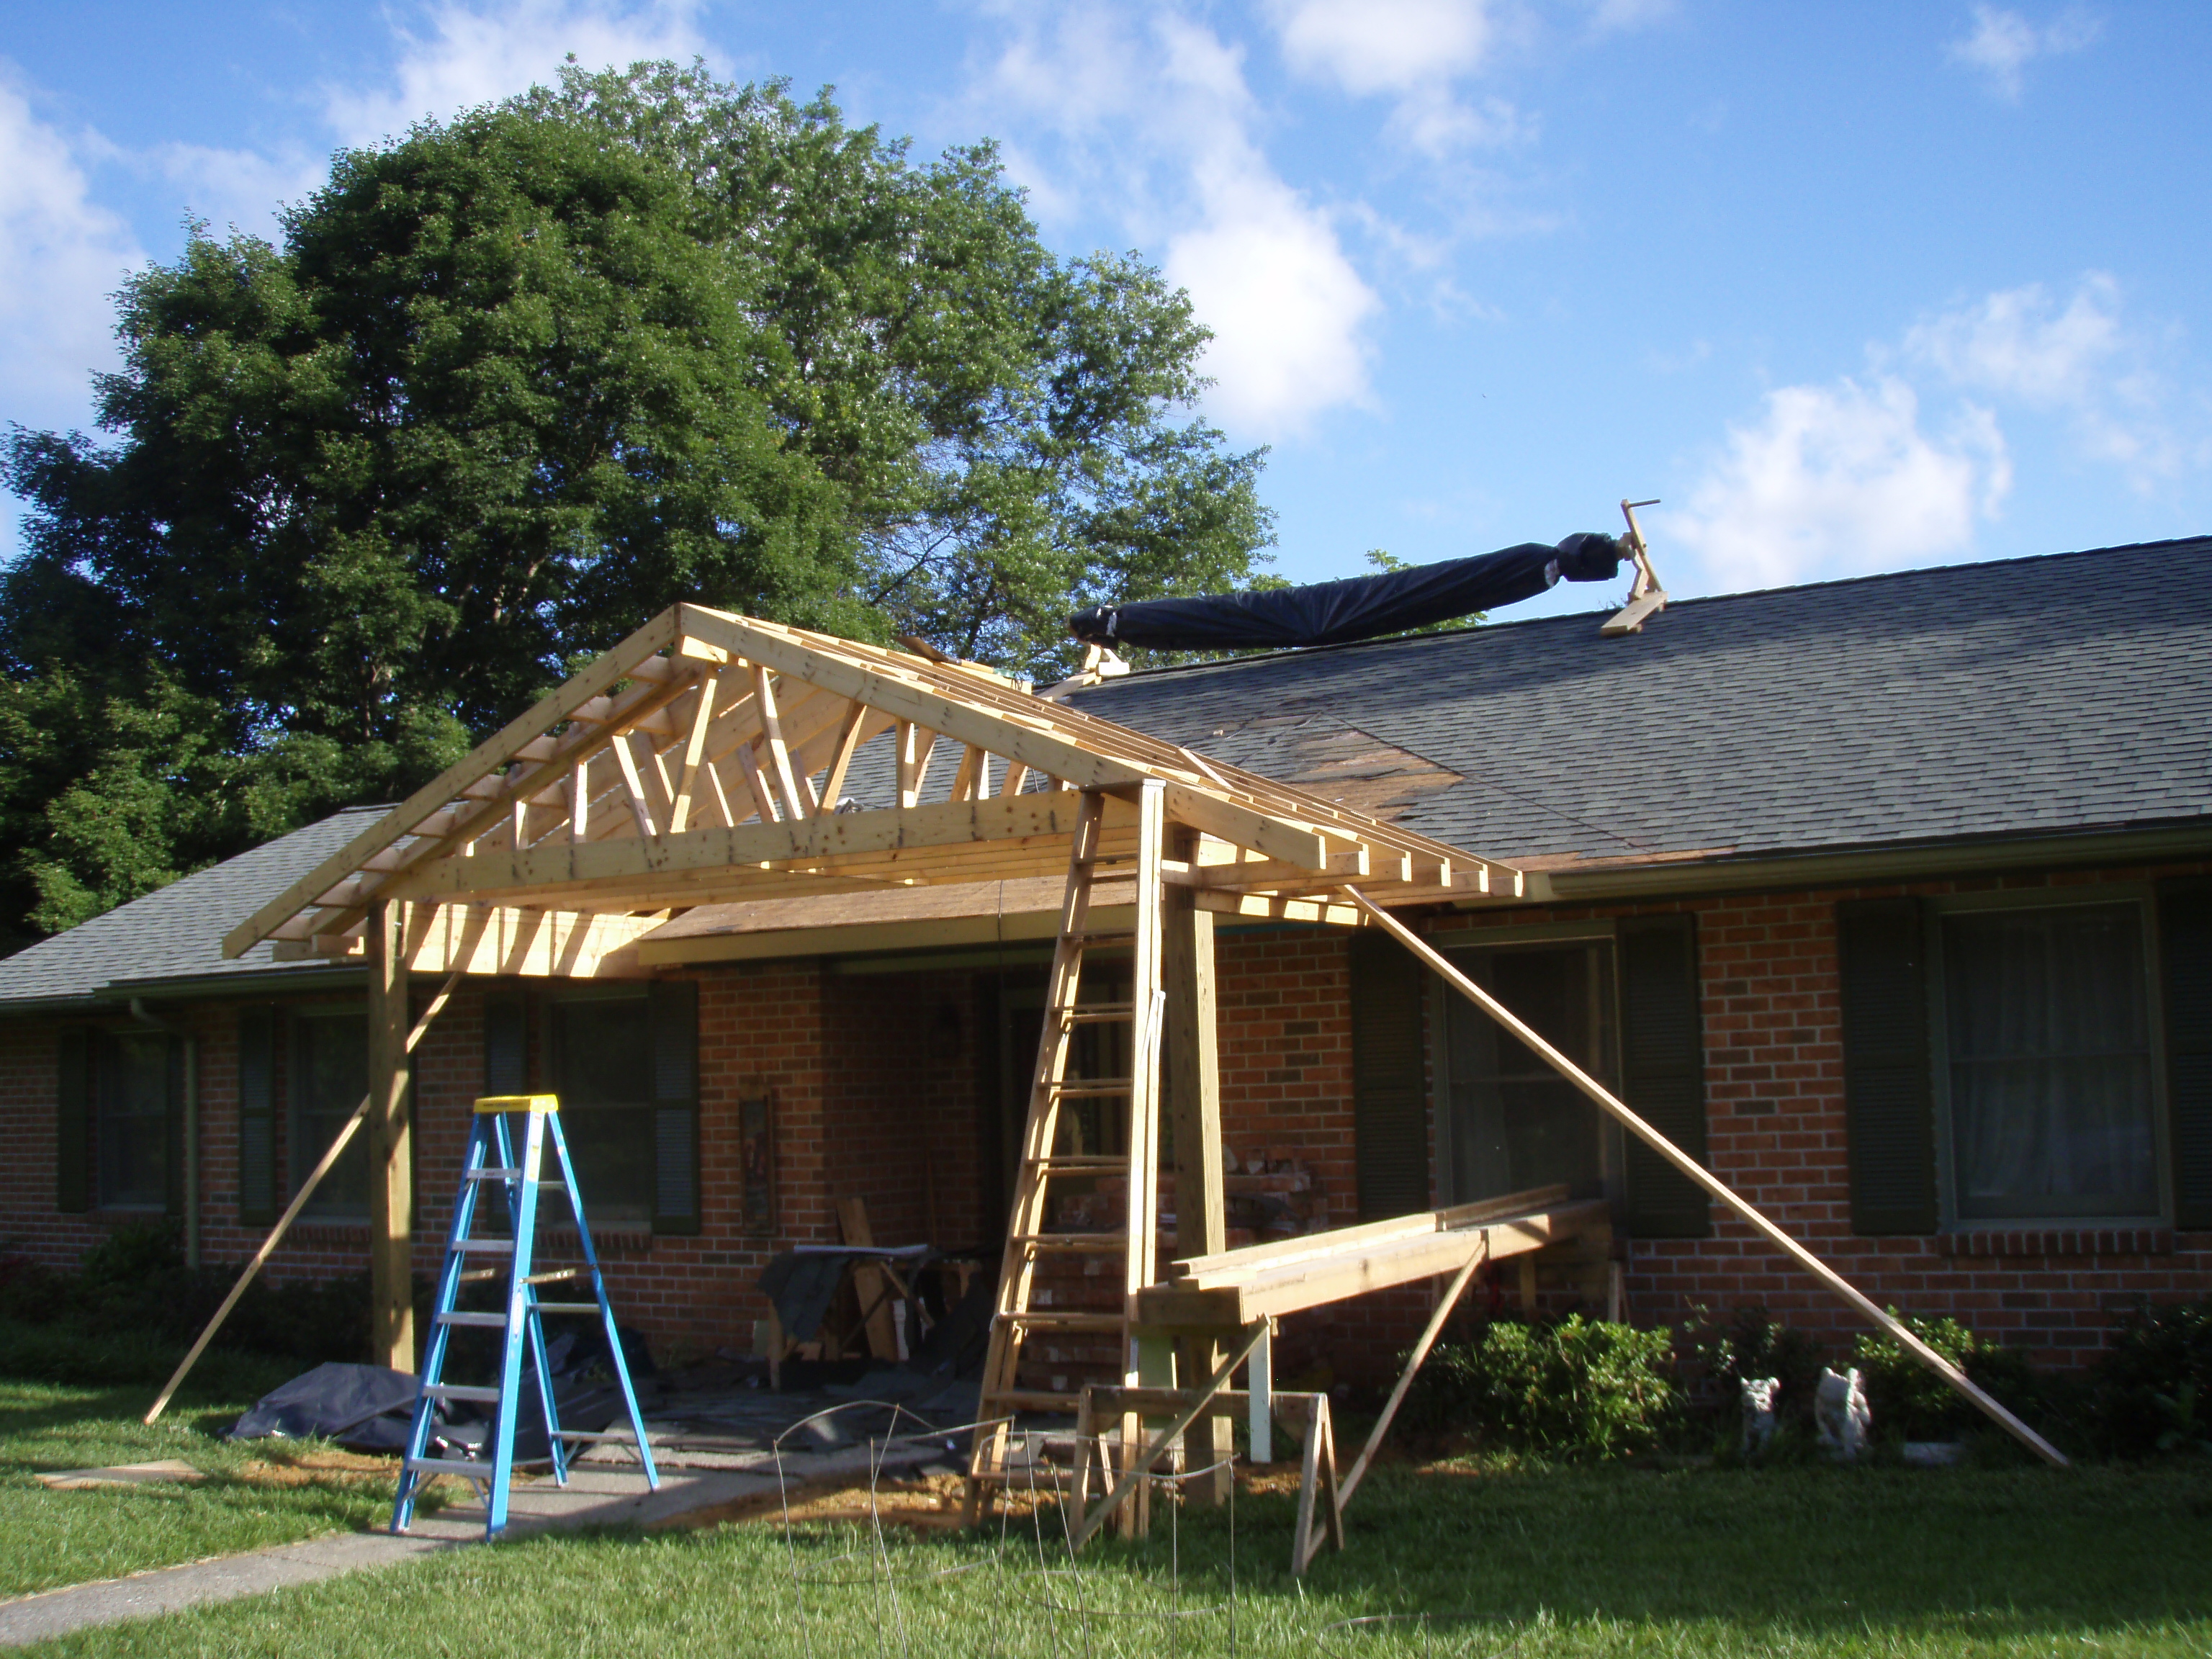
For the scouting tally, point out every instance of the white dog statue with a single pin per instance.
(1841, 1414)
(1758, 1394)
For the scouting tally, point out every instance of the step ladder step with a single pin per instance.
(1064, 1319)
(1074, 1243)
(486, 1246)
(495, 1174)
(568, 1307)
(1087, 1088)
(467, 1468)
(464, 1391)
(484, 1321)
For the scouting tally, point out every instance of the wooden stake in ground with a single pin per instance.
(343, 1138)
(1689, 1166)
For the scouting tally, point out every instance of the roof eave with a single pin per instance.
(1936, 856)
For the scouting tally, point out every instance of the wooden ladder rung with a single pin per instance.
(1087, 1088)
(1097, 1013)
(1035, 1400)
(1072, 1243)
(1077, 1164)
(1064, 1319)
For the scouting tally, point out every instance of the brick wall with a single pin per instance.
(1772, 1015)
(879, 1088)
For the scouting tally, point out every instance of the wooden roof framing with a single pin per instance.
(705, 759)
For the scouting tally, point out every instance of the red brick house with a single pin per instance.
(1892, 899)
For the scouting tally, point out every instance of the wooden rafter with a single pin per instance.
(682, 767)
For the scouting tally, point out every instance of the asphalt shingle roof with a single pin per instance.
(2022, 697)
(177, 932)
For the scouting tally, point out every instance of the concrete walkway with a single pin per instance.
(593, 1497)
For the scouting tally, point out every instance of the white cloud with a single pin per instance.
(1840, 479)
(1149, 123)
(2017, 343)
(237, 188)
(2003, 42)
(2080, 360)
(1412, 50)
(61, 256)
(1369, 46)
(467, 55)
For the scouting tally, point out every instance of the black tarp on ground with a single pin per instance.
(1357, 608)
(364, 1407)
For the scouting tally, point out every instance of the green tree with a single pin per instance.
(513, 383)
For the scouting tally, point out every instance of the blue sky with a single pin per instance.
(1851, 287)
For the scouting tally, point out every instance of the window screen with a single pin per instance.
(330, 1074)
(2048, 1029)
(133, 1118)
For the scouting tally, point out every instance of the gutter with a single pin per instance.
(1970, 855)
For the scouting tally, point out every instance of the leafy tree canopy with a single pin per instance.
(513, 383)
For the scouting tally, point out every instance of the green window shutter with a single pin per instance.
(1390, 1136)
(1889, 1107)
(507, 1045)
(675, 1027)
(256, 1117)
(172, 1139)
(2185, 929)
(73, 1124)
(1663, 1066)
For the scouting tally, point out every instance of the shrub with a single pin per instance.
(2154, 1384)
(1718, 1359)
(133, 1294)
(1580, 1388)
(1912, 1402)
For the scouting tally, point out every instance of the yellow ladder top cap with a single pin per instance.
(518, 1104)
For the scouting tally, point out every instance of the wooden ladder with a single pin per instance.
(1029, 1237)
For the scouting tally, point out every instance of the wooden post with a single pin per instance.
(391, 1181)
(1194, 1092)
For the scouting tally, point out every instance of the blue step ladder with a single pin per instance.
(490, 1159)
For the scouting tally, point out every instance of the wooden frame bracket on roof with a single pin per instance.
(1645, 597)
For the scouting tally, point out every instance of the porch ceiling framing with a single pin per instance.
(704, 759)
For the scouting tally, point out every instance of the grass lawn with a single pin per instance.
(251, 1496)
(1804, 1561)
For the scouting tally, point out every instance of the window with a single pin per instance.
(2047, 1063)
(330, 1074)
(132, 1078)
(2011, 1059)
(1514, 1122)
(602, 1075)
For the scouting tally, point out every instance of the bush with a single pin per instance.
(1579, 1388)
(133, 1293)
(2154, 1384)
(1912, 1402)
(1719, 1357)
